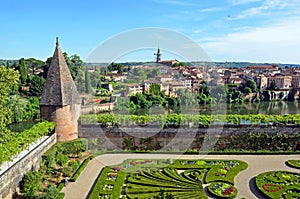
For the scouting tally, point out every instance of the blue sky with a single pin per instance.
(229, 30)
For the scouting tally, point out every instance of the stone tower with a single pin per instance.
(60, 101)
(158, 56)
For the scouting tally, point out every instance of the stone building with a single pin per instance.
(60, 101)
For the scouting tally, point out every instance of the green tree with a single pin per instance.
(252, 85)
(88, 87)
(22, 68)
(154, 89)
(36, 85)
(9, 81)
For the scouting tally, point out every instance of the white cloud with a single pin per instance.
(275, 43)
(239, 2)
(267, 7)
(213, 9)
(175, 2)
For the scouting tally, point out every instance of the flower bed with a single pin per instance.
(181, 178)
(222, 190)
(279, 184)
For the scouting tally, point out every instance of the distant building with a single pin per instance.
(164, 62)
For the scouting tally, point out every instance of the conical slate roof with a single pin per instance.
(59, 89)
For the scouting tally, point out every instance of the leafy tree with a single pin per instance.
(36, 85)
(88, 87)
(247, 90)
(22, 68)
(116, 66)
(252, 85)
(46, 67)
(9, 80)
(31, 184)
(154, 89)
(182, 64)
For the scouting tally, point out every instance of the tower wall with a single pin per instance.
(65, 117)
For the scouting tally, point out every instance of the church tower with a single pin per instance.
(60, 101)
(158, 56)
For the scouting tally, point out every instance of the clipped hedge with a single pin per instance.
(294, 163)
(279, 184)
(147, 177)
(173, 120)
(80, 169)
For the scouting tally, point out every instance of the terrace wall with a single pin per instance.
(112, 138)
(11, 177)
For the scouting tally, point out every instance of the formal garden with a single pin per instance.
(280, 184)
(137, 178)
(61, 163)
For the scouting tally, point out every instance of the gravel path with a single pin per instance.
(244, 181)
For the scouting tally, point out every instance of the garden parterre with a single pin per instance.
(182, 178)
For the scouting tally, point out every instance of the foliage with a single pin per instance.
(23, 109)
(52, 192)
(222, 190)
(36, 85)
(116, 66)
(61, 159)
(81, 168)
(294, 163)
(31, 183)
(279, 184)
(196, 120)
(9, 79)
(162, 178)
(22, 68)
(13, 143)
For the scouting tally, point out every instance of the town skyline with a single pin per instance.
(232, 30)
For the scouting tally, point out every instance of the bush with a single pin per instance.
(67, 171)
(61, 159)
(52, 192)
(81, 168)
(31, 184)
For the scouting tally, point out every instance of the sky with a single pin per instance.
(228, 30)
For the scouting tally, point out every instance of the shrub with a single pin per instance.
(61, 159)
(52, 192)
(81, 168)
(31, 184)
(67, 171)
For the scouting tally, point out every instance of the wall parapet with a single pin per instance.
(12, 173)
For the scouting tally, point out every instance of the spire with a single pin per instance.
(57, 42)
(158, 55)
(59, 89)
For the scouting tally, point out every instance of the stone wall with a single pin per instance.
(113, 138)
(11, 178)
